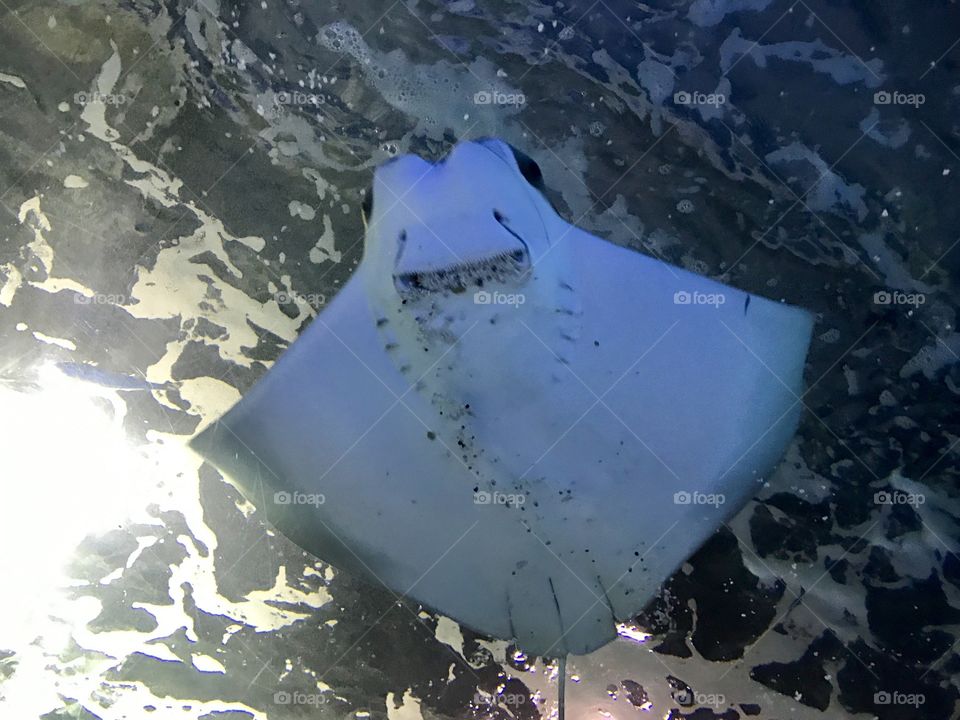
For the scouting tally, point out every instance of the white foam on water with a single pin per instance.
(707, 13)
(933, 357)
(893, 267)
(885, 133)
(469, 99)
(828, 191)
(843, 68)
(657, 79)
(74, 182)
(59, 342)
(408, 707)
(13, 80)
(448, 632)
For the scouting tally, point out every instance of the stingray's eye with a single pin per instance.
(529, 169)
(366, 205)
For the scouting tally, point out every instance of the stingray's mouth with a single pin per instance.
(498, 268)
(509, 263)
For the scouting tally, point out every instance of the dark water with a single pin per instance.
(180, 187)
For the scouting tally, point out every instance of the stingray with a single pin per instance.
(509, 420)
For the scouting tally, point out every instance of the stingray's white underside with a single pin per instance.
(587, 435)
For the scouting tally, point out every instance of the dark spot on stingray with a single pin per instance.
(596, 343)
(381, 322)
(565, 286)
(366, 204)
(746, 304)
(431, 434)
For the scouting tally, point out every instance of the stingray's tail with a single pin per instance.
(561, 686)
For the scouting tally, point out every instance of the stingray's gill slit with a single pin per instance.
(475, 274)
(498, 324)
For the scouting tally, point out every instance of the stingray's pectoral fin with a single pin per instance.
(227, 445)
(373, 459)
